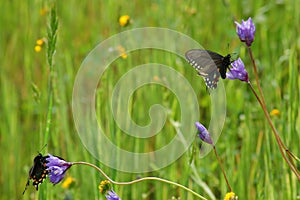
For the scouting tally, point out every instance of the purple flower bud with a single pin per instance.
(238, 71)
(111, 195)
(57, 168)
(203, 133)
(246, 31)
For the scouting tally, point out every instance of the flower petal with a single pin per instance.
(238, 71)
(246, 31)
(203, 133)
(111, 195)
(57, 168)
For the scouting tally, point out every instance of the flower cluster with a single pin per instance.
(105, 188)
(43, 11)
(124, 20)
(111, 195)
(39, 44)
(275, 112)
(238, 71)
(122, 51)
(230, 196)
(68, 182)
(203, 133)
(246, 31)
(57, 168)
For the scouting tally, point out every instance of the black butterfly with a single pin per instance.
(38, 171)
(210, 65)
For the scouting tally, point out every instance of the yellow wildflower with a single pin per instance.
(275, 112)
(40, 42)
(230, 196)
(124, 20)
(122, 52)
(156, 78)
(124, 55)
(37, 48)
(67, 182)
(104, 186)
(43, 11)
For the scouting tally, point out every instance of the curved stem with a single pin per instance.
(279, 142)
(138, 180)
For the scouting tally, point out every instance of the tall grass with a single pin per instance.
(247, 148)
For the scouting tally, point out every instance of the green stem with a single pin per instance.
(279, 142)
(49, 114)
(138, 180)
(51, 45)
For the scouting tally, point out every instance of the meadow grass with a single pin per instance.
(250, 155)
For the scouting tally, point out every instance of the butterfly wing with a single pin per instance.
(222, 62)
(38, 171)
(207, 64)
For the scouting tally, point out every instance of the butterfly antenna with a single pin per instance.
(42, 148)
(232, 54)
(27, 184)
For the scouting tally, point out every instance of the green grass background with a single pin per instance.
(247, 147)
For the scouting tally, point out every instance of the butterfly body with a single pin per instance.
(210, 65)
(38, 171)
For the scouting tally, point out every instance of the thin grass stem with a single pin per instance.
(279, 142)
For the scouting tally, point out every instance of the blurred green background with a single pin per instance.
(247, 147)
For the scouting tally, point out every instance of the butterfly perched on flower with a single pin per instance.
(38, 171)
(210, 65)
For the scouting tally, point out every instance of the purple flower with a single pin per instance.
(57, 168)
(111, 195)
(203, 133)
(238, 71)
(246, 31)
